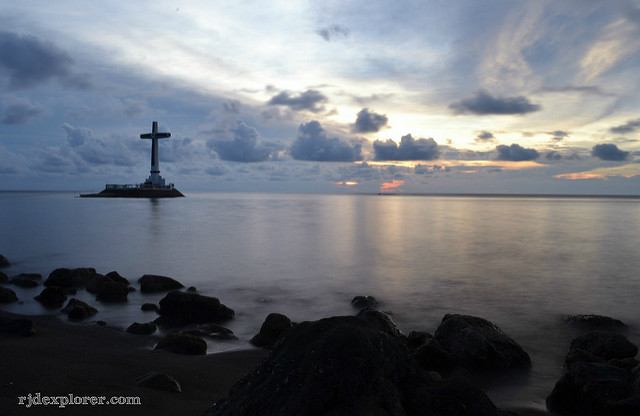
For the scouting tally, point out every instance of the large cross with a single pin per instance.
(155, 162)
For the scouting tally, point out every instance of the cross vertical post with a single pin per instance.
(155, 179)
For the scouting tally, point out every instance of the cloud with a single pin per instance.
(409, 149)
(516, 153)
(483, 103)
(629, 127)
(484, 137)
(76, 136)
(20, 111)
(26, 61)
(309, 100)
(553, 155)
(231, 106)
(312, 143)
(559, 135)
(609, 151)
(244, 147)
(333, 32)
(369, 122)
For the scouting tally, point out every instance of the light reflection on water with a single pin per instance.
(521, 262)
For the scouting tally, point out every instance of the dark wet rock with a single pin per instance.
(271, 330)
(151, 283)
(115, 276)
(70, 278)
(150, 307)
(432, 357)
(159, 381)
(183, 344)
(113, 292)
(380, 320)
(78, 310)
(595, 322)
(347, 366)
(192, 289)
(626, 363)
(4, 278)
(24, 282)
(479, 345)
(109, 288)
(7, 295)
(605, 345)
(182, 308)
(101, 323)
(146, 328)
(364, 301)
(51, 297)
(592, 386)
(4, 262)
(20, 326)
(416, 339)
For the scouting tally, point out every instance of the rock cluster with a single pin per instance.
(601, 377)
(109, 288)
(364, 364)
(348, 366)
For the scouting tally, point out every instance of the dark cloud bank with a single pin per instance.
(609, 151)
(244, 147)
(26, 61)
(516, 153)
(310, 100)
(312, 143)
(408, 149)
(628, 127)
(369, 122)
(483, 103)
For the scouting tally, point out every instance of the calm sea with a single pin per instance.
(521, 262)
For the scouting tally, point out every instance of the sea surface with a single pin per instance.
(521, 262)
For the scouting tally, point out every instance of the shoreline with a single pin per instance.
(92, 360)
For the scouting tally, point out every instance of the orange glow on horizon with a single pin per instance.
(347, 183)
(391, 186)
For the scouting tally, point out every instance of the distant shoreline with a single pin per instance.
(434, 194)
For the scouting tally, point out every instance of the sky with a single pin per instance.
(465, 96)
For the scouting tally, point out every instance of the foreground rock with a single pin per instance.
(380, 320)
(595, 322)
(364, 301)
(7, 295)
(4, 278)
(78, 310)
(70, 278)
(4, 262)
(347, 366)
(478, 345)
(182, 308)
(109, 288)
(183, 344)
(159, 381)
(601, 378)
(24, 282)
(138, 328)
(151, 283)
(51, 297)
(273, 327)
(20, 326)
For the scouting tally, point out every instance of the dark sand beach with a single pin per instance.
(92, 360)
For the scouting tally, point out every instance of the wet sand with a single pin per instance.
(93, 360)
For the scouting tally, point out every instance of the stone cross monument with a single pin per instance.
(155, 179)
